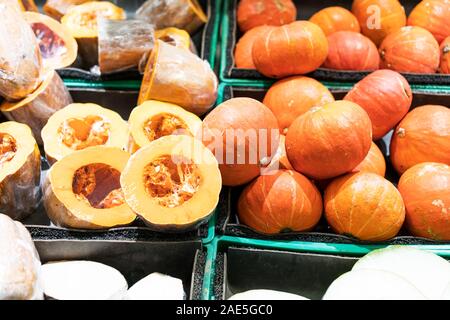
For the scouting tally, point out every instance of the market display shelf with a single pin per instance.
(230, 34)
(227, 221)
(205, 40)
(276, 265)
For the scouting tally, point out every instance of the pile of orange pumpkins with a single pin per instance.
(376, 34)
(326, 159)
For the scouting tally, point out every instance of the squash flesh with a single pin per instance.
(80, 133)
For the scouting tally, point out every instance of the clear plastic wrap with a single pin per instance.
(182, 14)
(20, 58)
(178, 76)
(37, 108)
(57, 8)
(122, 43)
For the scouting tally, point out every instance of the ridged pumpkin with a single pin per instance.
(244, 135)
(254, 13)
(374, 162)
(386, 96)
(410, 49)
(445, 56)
(364, 206)
(433, 15)
(422, 136)
(425, 189)
(351, 51)
(329, 141)
(334, 19)
(284, 201)
(297, 48)
(243, 53)
(292, 97)
(378, 18)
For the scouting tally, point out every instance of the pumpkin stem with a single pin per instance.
(264, 162)
(401, 132)
(446, 49)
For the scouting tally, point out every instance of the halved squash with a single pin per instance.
(82, 19)
(58, 48)
(173, 184)
(183, 14)
(58, 8)
(154, 119)
(20, 170)
(82, 190)
(20, 58)
(82, 125)
(178, 76)
(37, 108)
(176, 37)
(123, 43)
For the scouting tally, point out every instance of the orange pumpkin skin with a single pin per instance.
(433, 15)
(364, 206)
(334, 19)
(410, 49)
(296, 48)
(425, 189)
(291, 97)
(422, 136)
(374, 162)
(351, 51)
(386, 96)
(243, 53)
(328, 141)
(234, 131)
(253, 13)
(283, 201)
(378, 18)
(445, 56)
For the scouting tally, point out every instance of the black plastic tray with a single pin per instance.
(305, 9)
(202, 40)
(227, 222)
(135, 260)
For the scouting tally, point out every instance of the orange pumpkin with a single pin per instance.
(334, 19)
(445, 56)
(374, 162)
(292, 97)
(296, 48)
(410, 49)
(364, 206)
(329, 141)
(351, 51)
(378, 18)
(433, 15)
(386, 96)
(253, 13)
(425, 189)
(282, 202)
(244, 135)
(243, 53)
(422, 136)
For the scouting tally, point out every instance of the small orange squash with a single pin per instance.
(297, 48)
(378, 18)
(243, 53)
(364, 206)
(292, 97)
(329, 141)
(386, 96)
(244, 135)
(374, 162)
(281, 202)
(253, 13)
(410, 49)
(422, 136)
(433, 15)
(334, 19)
(445, 56)
(351, 51)
(425, 189)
